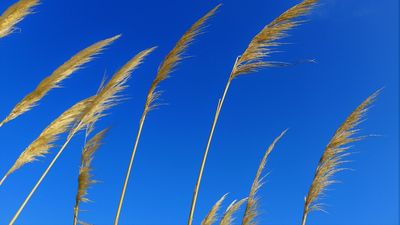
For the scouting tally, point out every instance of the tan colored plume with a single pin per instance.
(251, 212)
(108, 95)
(333, 156)
(54, 80)
(252, 59)
(45, 141)
(212, 216)
(227, 218)
(175, 56)
(103, 100)
(166, 67)
(260, 48)
(85, 175)
(14, 14)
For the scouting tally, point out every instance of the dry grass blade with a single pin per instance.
(85, 176)
(14, 14)
(54, 80)
(227, 218)
(103, 100)
(333, 156)
(251, 208)
(175, 56)
(212, 216)
(166, 67)
(45, 141)
(253, 58)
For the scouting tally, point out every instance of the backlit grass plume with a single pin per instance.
(212, 216)
(54, 80)
(166, 67)
(103, 100)
(251, 212)
(261, 47)
(174, 57)
(252, 59)
(14, 14)
(108, 96)
(41, 146)
(85, 175)
(333, 156)
(227, 218)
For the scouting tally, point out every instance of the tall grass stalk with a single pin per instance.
(216, 116)
(106, 98)
(168, 64)
(251, 212)
(253, 59)
(332, 159)
(85, 176)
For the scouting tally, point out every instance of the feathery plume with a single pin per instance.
(227, 218)
(212, 215)
(175, 56)
(108, 95)
(14, 14)
(253, 58)
(85, 176)
(251, 208)
(54, 80)
(106, 98)
(41, 146)
(333, 156)
(166, 67)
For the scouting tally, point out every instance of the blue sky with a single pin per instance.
(354, 42)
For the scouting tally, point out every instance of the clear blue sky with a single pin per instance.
(354, 42)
